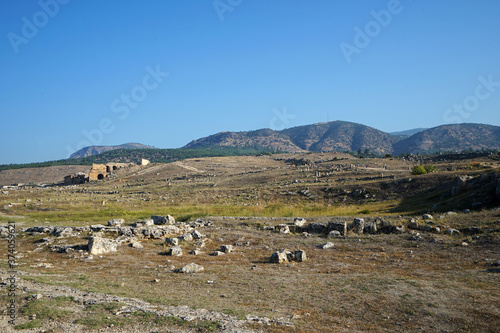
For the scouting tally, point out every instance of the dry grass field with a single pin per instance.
(383, 282)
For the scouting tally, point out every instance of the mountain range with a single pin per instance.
(346, 136)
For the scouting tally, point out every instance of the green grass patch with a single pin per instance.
(30, 324)
(48, 308)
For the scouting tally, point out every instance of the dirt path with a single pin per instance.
(187, 167)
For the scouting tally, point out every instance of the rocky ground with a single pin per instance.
(378, 249)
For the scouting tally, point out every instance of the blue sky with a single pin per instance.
(75, 73)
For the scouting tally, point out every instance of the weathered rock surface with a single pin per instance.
(172, 241)
(327, 245)
(358, 225)
(279, 257)
(340, 226)
(299, 222)
(226, 248)
(191, 268)
(159, 220)
(175, 251)
(99, 245)
(116, 222)
(282, 256)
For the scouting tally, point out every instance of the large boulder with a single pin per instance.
(279, 257)
(459, 185)
(340, 226)
(98, 245)
(175, 251)
(187, 237)
(371, 227)
(197, 235)
(282, 228)
(116, 222)
(299, 222)
(327, 245)
(300, 255)
(167, 219)
(317, 228)
(358, 225)
(63, 232)
(172, 241)
(226, 248)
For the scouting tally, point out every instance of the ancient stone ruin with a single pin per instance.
(97, 172)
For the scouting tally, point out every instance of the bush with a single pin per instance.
(430, 168)
(418, 170)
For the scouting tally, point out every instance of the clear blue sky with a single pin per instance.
(166, 72)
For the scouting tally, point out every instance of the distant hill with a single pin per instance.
(407, 133)
(347, 136)
(340, 136)
(95, 150)
(266, 138)
(457, 137)
(330, 136)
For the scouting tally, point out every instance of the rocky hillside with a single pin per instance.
(95, 150)
(331, 136)
(265, 138)
(347, 136)
(340, 136)
(457, 137)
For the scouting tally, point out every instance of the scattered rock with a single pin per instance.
(279, 257)
(427, 217)
(175, 251)
(159, 220)
(187, 237)
(218, 253)
(327, 245)
(451, 231)
(334, 234)
(191, 268)
(116, 222)
(195, 252)
(226, 248)
(172, 241)
(197, 235)
(300, 255)
(136, 245)
(63, 232)
(282, 229)
(415, 236)
(299, 222)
